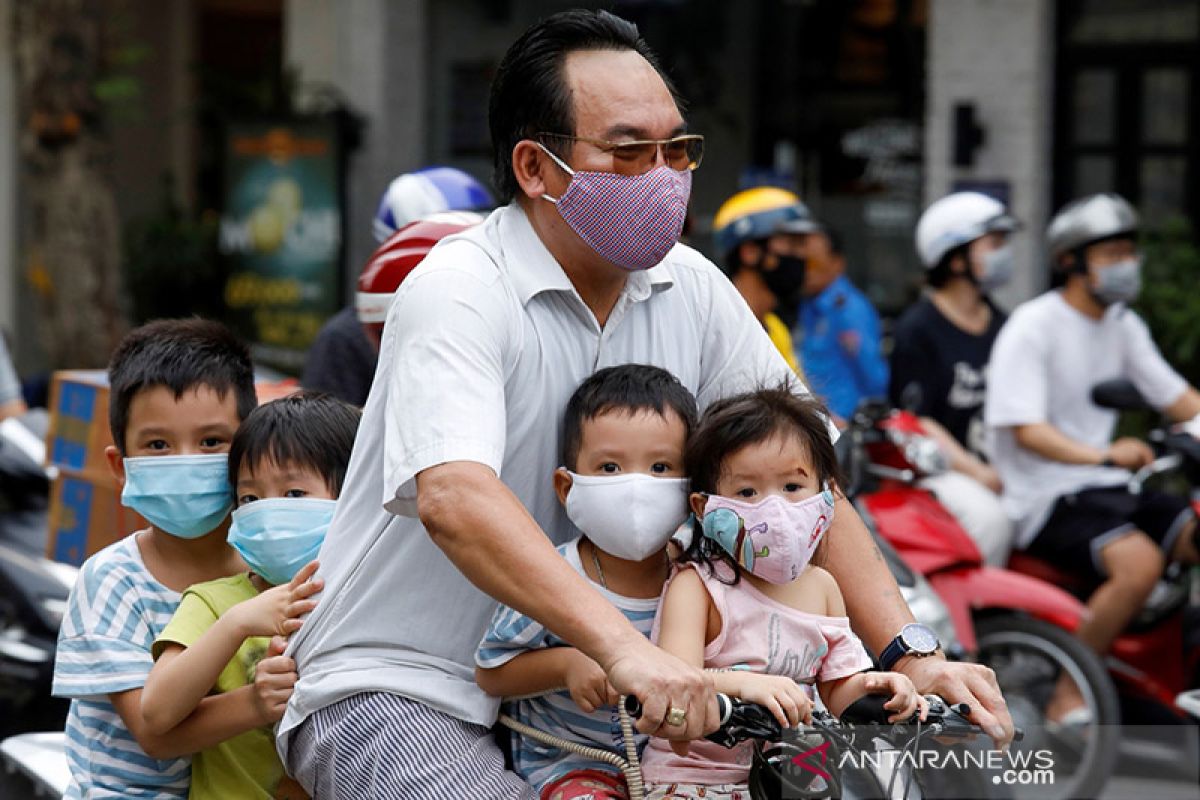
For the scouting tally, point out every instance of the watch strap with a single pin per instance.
(894, 651)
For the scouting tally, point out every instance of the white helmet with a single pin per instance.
(957, 219)
(1090, 219)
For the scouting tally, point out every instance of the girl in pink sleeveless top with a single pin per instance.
(745, 599)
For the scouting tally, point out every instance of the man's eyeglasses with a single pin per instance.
(679, 152)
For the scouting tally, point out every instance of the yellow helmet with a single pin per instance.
(757, 213)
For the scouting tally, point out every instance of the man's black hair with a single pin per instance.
(180, 354)
(941, 274)
(529, 94)
(627, 388)
(309, 430)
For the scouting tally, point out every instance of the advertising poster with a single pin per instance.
(281, 230)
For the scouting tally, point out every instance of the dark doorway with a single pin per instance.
(1128, 104)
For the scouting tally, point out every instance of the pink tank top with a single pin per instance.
(758, 634)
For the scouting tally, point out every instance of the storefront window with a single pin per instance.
(1122, 22)
(1127, 116)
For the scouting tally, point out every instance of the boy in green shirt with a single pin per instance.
(287, 463)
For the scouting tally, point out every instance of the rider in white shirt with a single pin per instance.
(1065, 478)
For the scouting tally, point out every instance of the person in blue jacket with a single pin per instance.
(838, 329)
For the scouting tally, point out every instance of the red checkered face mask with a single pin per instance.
(631, 220)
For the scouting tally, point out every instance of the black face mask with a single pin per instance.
(786, 282)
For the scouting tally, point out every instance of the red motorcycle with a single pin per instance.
(1019, 625)
(1157, 658)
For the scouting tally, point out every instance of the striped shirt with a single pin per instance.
(511, 634)
(114, 613)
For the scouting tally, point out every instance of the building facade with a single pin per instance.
(869, 109)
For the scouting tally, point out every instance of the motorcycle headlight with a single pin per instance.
(925, 454)
(922, 453)
(928, 609)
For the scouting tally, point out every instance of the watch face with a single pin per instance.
(919, 638)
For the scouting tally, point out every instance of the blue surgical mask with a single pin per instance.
(185, 496)
(278, 536)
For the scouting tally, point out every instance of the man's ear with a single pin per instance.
(698, 500)
(528, 164)
(562, 484)
(749, 253)
(116, 464)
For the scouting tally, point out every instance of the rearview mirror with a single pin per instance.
(1119, 394)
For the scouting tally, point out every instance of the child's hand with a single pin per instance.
(276, 612)
(905, 698)
(588, 685)
(786, 699)
(274, 680)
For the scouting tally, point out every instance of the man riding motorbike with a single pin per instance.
(756, 233)
(342, 358)
(942, 345)
(1066, 480)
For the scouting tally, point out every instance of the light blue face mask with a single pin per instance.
(278, 536)
(185, 496)
(998, 268)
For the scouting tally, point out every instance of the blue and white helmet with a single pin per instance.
(957, 219)
(428, 191)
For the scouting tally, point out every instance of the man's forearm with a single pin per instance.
(874, 604)
(1186, 407)
(1049, 442)
(490, 537)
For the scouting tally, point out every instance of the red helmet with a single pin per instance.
(388, 266)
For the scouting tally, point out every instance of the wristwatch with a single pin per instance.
(914, 639)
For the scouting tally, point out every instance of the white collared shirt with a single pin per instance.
(484, 344)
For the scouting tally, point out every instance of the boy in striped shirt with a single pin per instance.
(623, 487)
(179, 390)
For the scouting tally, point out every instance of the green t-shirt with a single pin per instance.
(247, 765)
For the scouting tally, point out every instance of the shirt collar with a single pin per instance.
(533, 270)
(830, 293)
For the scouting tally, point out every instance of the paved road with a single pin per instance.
(1135, 788)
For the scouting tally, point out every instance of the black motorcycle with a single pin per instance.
(33, 589)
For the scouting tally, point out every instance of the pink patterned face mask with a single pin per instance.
(773, 539)
(631, 220)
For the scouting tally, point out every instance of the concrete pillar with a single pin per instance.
(998, 55)
(375, 54)
(9, 269)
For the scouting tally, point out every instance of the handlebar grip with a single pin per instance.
(867, 709)
(633, 707)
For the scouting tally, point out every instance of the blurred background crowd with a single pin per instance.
(225, 157)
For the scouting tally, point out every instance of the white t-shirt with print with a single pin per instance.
(1044, 364)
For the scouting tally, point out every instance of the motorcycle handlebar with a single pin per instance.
(741, 720)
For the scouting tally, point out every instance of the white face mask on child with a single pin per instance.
(629, 516)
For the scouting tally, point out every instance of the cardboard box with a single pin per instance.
(79, 429)
(86, 514)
